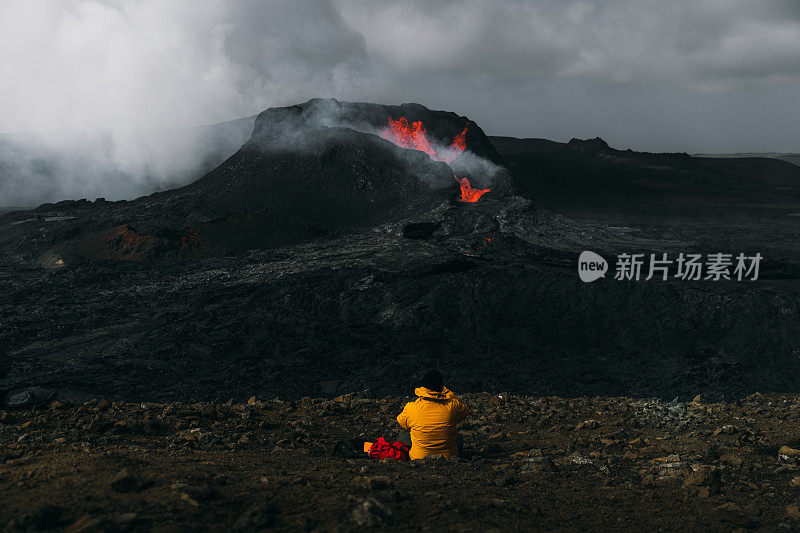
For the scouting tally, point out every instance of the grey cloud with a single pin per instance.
(625, 41)
(705, 75)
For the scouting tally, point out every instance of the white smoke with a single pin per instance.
(119, 164)
(119, 86)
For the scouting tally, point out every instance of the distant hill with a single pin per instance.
(589, 176)
(789, 158)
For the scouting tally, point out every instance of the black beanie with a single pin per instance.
(433, 380)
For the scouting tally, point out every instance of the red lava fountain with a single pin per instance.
(414, 136)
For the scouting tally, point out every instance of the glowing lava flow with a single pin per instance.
(468, 194)
(460, 142)
(415, 137)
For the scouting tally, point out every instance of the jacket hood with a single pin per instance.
(425, 392)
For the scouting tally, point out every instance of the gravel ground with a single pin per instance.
(598, 463)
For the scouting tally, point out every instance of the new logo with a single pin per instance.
(591, 266)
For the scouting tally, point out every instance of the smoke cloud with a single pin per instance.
(118, 85)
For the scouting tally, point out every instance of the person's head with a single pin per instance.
(433, 380)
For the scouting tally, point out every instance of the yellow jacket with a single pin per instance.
(432, 420)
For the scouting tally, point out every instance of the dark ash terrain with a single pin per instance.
(321, 259)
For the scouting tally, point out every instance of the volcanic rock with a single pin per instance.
(371, 512)
(588, 424)
(793, 511)
(705, 479)
(368, 483)
(258, 517)
(86, 524)
(788, 451)
(43, 517)
(124, 481)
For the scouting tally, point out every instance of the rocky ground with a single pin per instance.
(532, 463)
(491, 297)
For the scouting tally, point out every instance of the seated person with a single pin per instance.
(432, 419)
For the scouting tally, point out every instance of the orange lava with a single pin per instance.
(468, 194)
(460, 142)
(414, 136)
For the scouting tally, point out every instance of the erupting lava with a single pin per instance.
(415, 137)
(468, 194)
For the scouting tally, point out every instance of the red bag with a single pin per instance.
(381, 449)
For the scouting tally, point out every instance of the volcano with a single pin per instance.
(308, 171)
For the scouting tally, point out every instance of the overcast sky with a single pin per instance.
(658, 75)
